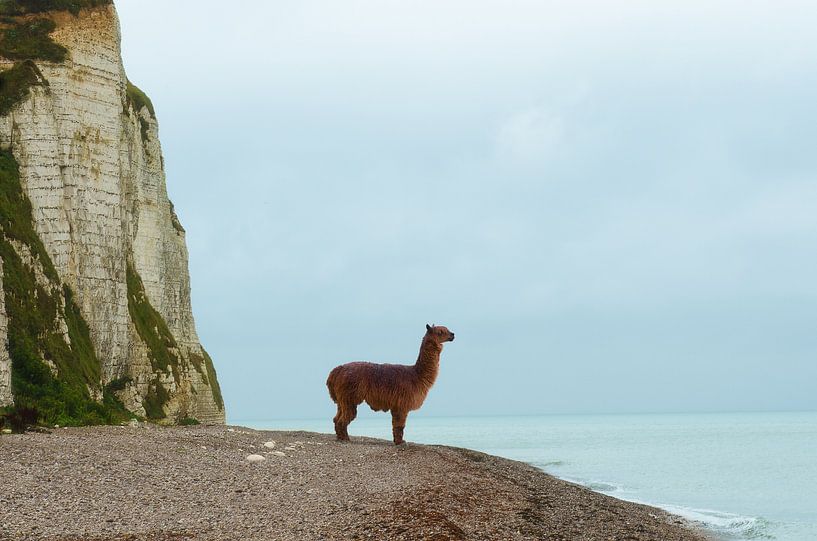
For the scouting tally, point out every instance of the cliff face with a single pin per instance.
(105, 260)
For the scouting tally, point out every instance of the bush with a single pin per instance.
(15, 83)
(49, 374)
(21, 7)
(19, 419)
(31, 40)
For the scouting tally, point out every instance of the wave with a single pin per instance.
(550, 464)
(610, 489)
(727, 526)
(737, 527)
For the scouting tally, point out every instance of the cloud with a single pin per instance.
(530, 137)
(531, 173)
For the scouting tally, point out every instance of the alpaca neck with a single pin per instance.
(428, 362)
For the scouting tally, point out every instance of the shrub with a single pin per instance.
(35, 339)
(21, 7)
(31, 40)
(15, 84)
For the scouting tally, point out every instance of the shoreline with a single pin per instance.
(155, 483)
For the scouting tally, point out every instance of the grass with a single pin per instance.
(31, 40)
(15, 84)
(154, 402)
(138, 100)
(21, 7)
(118, 384)
(151, 326)
(204, 366)
(35, 336)
(159, 340)
(215, 388)
(15, 213)
(174, 219)
(189, 421)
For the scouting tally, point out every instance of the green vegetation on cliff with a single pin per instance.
(151, 326)
(138, 100)
(15, 214)
(204, 366)
(15, 83)
(54, 366)
(31, 40)
(159, 340)
(21, 7)
(215, 388)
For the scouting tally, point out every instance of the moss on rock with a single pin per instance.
(215, 388)
(22, 7)
(49, 373)
(16, 82)
(30, 39)
(15, 213)
(162, 347)
(138, 100)
(151, 326)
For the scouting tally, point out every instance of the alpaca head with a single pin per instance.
(439, 334)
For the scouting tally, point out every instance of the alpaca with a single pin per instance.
(387, 387)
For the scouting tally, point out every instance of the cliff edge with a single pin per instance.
(95, 316)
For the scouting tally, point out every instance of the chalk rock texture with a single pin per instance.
(5, 363)
(91, 164)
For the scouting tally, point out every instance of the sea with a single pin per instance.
(742, 476)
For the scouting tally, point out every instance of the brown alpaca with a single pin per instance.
(387, 387)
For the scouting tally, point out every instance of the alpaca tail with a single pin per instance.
(330, 383)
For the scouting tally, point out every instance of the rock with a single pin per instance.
(91, 165)
(133, 423)
(270, 445)
(278, 453)
(255, 458)
(6, 431)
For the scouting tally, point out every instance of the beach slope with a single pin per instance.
(153, 483)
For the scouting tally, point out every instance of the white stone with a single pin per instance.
(255, 458)
(278, 453)
(270, 445)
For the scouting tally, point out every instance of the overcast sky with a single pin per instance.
(612, 204)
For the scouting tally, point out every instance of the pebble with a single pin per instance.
(270, 445)
(140, 483)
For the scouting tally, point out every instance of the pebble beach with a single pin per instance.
(151, 483)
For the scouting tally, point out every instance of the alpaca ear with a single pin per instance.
(428, 327)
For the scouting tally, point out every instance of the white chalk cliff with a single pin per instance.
(91, 164)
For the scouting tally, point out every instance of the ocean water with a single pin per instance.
(743, 476)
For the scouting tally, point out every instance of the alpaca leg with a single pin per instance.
(340, 430)
(346, 414)
(398, 423)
